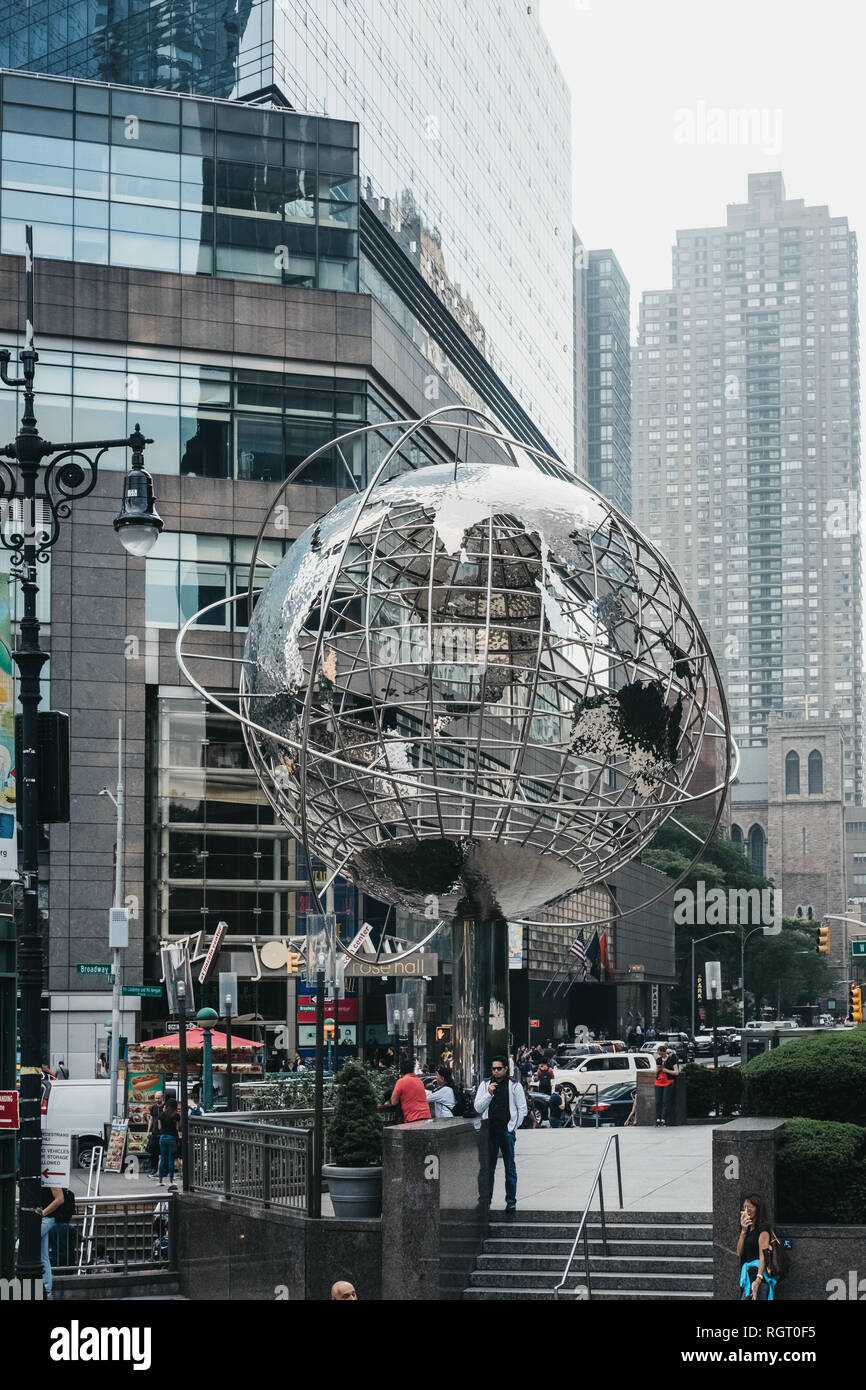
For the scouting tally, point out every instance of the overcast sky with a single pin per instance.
(653, 83)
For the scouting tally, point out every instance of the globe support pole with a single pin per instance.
(480, 985)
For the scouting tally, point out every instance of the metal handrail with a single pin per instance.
(581, 1230)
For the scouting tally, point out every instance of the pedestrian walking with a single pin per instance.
(62, 1071)
(170, 1132)
(442, 1097)
(102, 1067)
(667, 1072)
(504, 1103)
(753, 1246)
(410, 1094)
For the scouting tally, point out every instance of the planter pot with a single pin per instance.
(355, 1192)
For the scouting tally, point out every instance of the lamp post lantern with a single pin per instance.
(206, 1020)
(39, 481)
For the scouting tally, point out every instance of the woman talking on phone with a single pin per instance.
(753, 1246)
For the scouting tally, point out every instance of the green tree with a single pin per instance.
(780, 968)
(786, 969)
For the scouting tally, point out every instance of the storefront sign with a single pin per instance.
(415, 965)
(307, 1010)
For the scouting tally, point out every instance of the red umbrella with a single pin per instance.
(194, 1039)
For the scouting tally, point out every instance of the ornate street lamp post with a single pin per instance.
(37, 488)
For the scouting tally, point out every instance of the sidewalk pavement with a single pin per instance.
(662, 1169)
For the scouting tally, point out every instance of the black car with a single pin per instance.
(613, 1106)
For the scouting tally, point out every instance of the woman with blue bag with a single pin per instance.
(753, 1248)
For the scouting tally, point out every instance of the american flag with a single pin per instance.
(578, 949)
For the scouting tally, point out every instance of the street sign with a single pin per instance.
(172, 1027)
(858, 948)
(535, 1023)
(146, 991)
(9, 1110)
(93, 969)
(56, 1158)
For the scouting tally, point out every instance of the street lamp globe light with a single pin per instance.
(138, 523)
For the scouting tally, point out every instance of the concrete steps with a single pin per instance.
(650, 1255)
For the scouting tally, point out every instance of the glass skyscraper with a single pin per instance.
(465, 138)
(746, 455)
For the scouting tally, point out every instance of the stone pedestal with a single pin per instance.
(744, 1162)
(434, 1208)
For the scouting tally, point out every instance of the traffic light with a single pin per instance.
(856, 1009)
(823, 947)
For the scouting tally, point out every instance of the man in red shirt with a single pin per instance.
(411, 1095)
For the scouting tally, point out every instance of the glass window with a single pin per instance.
(146, 252)
(94, 128)
(100, 419)
(31, 120)
(35, 149)
(259, 447)
(201, 584)
(160, 593)
(816, 773)
(39, 207)
(147, 194)
(39, 178)
(792, 774)
(204, 445)
(91, 245)
(91, 212)
(159, 423)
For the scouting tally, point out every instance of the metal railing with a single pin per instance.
(581, 1230)
(593, 1087)
(118, 1235)
(252, 1160)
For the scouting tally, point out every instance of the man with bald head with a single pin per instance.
(343, 1292)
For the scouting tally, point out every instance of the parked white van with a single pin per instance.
(602, 1071)
(82, 1109)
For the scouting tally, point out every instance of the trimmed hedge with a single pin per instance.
(700, 1090)
(821, 1172)
(823, 1078)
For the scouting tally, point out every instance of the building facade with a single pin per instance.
(747, 456)
(465, 152)
(608, 375)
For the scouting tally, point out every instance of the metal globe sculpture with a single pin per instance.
(478, 684)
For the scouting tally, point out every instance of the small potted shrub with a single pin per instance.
(355, 1135)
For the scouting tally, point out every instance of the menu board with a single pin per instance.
(116, 1146)
(145, 1083)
